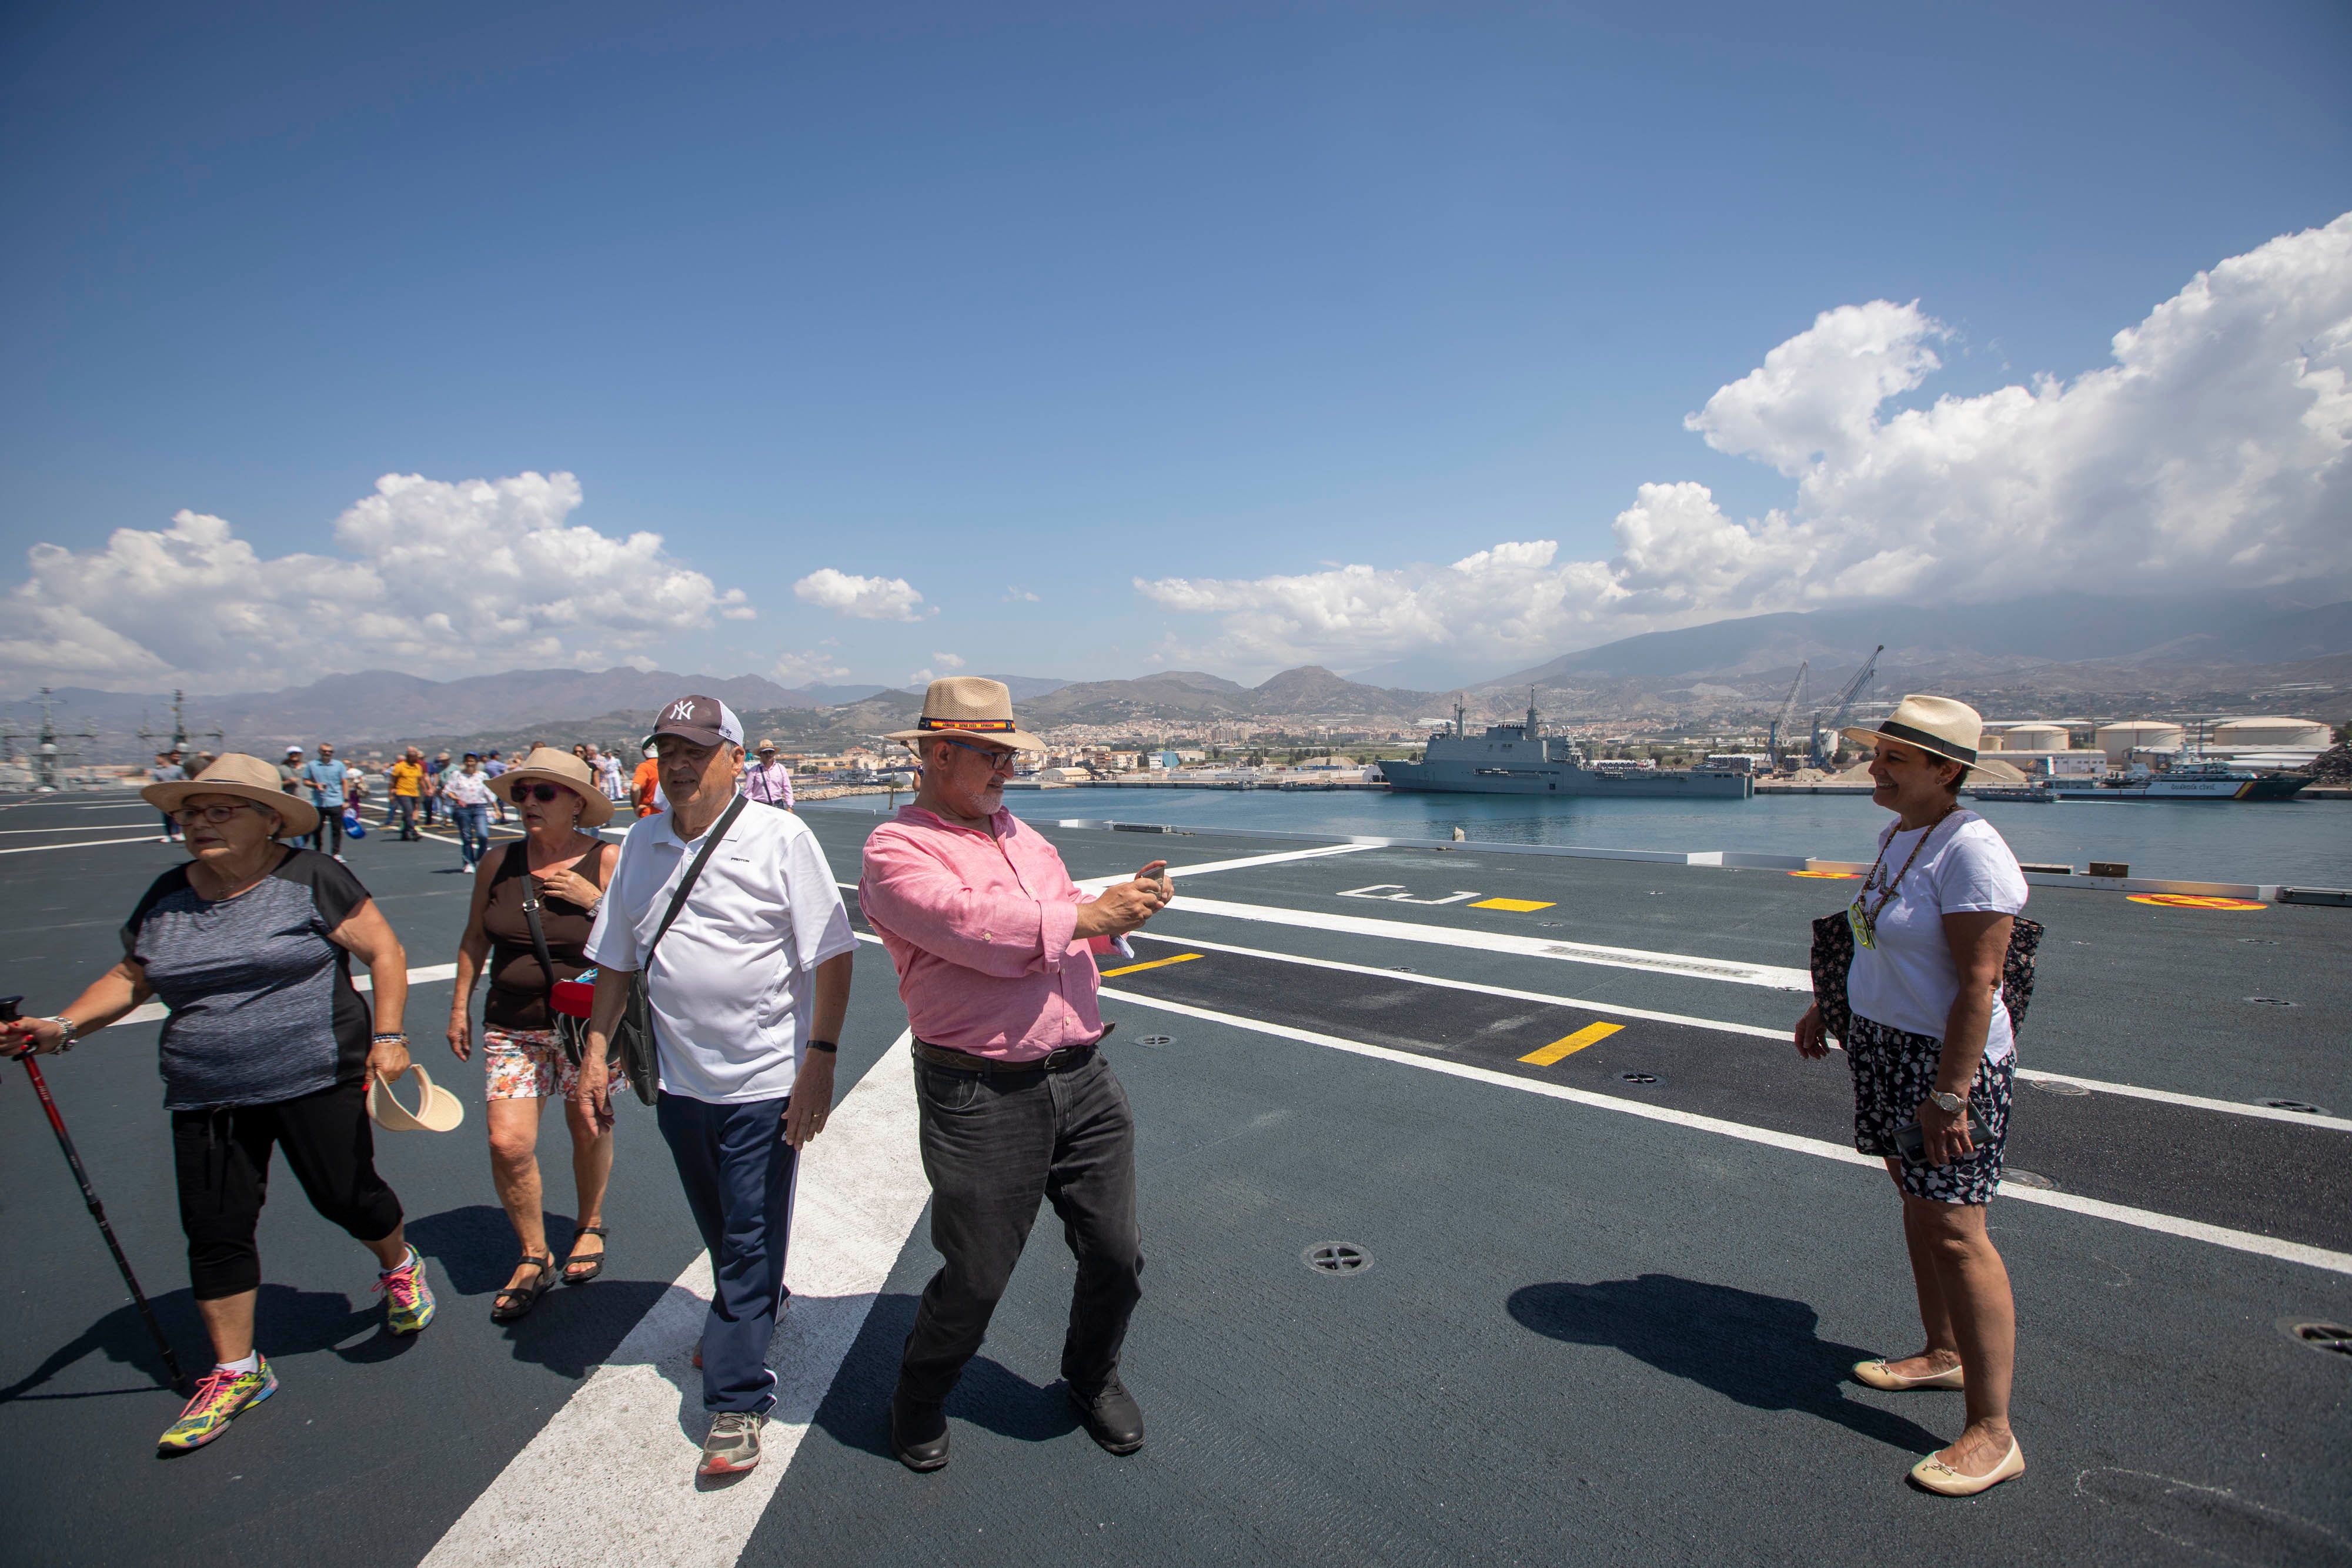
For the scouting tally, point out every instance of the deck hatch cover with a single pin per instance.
(2334, 1338)
(1335, 1258)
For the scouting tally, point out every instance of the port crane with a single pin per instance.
(1825, 735)
(1788, 708)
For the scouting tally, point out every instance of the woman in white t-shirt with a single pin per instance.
(1932, 1045)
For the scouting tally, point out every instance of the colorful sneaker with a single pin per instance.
(733, 1446)
(221, 1396)
(407, 1299)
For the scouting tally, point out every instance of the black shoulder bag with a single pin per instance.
(633, 1038)
(571, 1033)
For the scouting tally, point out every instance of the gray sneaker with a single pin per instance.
(733, 1446)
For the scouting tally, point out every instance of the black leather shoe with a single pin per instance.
(918, 1434)
(1112, 1416)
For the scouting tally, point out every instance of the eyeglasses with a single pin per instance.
(999, 760)
(188, 816)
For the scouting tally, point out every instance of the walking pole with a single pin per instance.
(89, 1197)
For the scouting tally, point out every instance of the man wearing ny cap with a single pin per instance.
(994, 947)
(749, 985)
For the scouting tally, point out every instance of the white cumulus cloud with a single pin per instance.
(437, 577)
(2210, 454)
(864, 598)
(815, 664)
(947, 661)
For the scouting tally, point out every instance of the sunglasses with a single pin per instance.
(999, 760)
(542, 793)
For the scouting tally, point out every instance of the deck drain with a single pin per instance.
(1401, 969)
(2334, 1338)
(1555, 924)
(1335, 1258)
(2057, 1086)
(2015, 1176)
(1154, 1040)
(1637, 1078)
(2270, 1002)
(2302, 1107)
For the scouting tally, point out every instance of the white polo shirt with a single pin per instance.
(731, 984)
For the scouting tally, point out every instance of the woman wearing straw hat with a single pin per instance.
(556, 875)
(268, 1045)
(1931, 1045)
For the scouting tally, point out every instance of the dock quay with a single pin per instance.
(1622, 1252)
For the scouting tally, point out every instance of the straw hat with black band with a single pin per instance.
(247, 779)
(545, 765)
(1940, 727)
(969, 708)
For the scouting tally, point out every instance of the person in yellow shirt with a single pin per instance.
(407, 777)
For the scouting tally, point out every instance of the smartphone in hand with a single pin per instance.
(1911, 1142)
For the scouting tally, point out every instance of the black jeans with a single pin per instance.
(329, 830)
(994, 1144)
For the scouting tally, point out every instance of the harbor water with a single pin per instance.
(2303, 842)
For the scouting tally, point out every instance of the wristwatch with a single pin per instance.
(1950, 1104)
(67, 1024)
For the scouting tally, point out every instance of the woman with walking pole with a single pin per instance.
(268, 1046)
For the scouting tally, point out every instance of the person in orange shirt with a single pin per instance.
(644, 787)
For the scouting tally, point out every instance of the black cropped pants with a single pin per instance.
(221, 1157)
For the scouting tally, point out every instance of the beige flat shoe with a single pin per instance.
(1876, 1374)
(1939, 1478)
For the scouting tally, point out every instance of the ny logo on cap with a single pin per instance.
(682, 710)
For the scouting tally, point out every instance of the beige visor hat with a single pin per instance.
(545, 765)
(247, 778)
(437, 1110)
(1940, 727)
(970, 707)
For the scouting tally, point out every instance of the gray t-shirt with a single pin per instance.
(263, 1007)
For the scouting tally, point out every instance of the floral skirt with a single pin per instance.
(526, 1064)
(1893, 1072)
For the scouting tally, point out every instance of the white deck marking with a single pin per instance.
(1768, 975)
(2145, 1219)
(148, 1012)
(611, 1475)
(93, 828)
(1442, 983)
(1096, 884)
(76, 844)
(2133, 1091)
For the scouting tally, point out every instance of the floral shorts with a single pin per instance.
(1892, 1074)
(527, 1065)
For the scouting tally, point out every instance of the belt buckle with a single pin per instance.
(1061, 1056)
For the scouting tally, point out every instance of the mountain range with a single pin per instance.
(2069, 650)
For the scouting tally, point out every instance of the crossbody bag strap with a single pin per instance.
(677, 899)
(530, 914)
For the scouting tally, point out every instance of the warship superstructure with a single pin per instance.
(1520, 760)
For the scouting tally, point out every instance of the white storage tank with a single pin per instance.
(2036, 737)
(2275, 733)
(2120, 740)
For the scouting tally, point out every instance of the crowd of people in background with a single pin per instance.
(461, 795)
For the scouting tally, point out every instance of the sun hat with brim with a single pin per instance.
(1940, 727)
(546, 765)
(970, 707)
(247, 778)
(437, 1110)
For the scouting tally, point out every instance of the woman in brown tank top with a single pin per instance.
(561, 864)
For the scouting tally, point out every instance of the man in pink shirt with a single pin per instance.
(994, 947)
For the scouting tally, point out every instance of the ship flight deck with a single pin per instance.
(1620, 1254)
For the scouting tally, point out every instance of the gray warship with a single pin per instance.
(1520, 760)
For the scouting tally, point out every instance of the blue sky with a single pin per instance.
(1061, 300)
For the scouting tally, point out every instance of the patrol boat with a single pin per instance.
(1520, 760)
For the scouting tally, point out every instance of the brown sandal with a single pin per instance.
(593, 1262)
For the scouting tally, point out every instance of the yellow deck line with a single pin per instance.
(1568, 1045)
(1154, 964)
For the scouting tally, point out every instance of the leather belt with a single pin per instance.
(1059, 1060)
